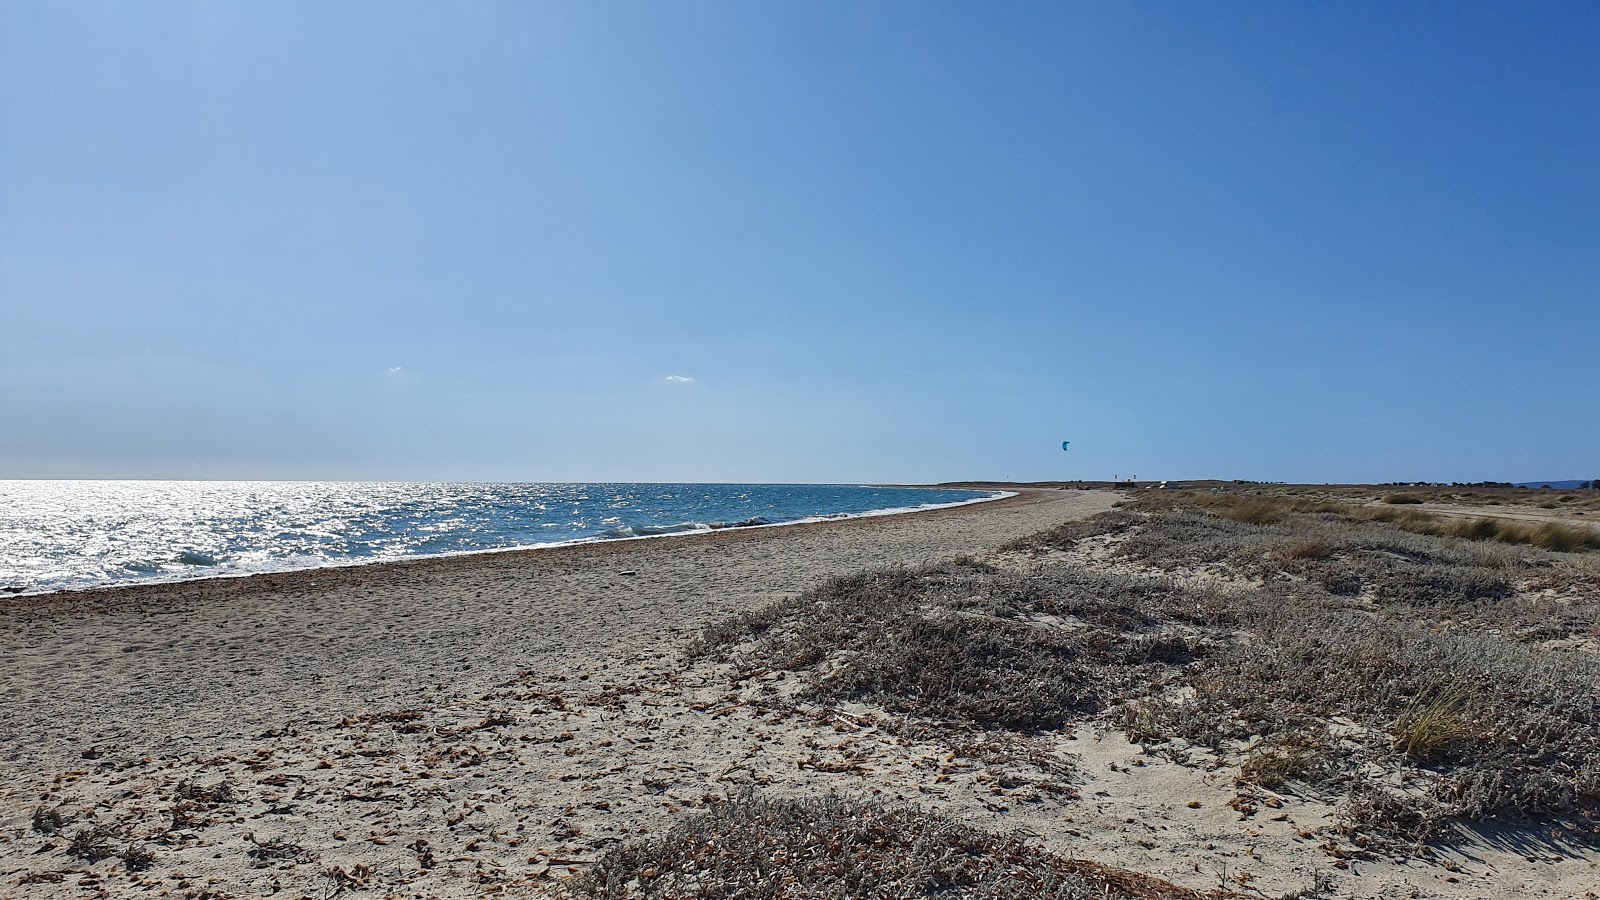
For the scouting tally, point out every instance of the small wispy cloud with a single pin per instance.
(679, 379)
(401, 376)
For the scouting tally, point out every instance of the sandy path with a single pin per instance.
(1526, 515)
(200, 666)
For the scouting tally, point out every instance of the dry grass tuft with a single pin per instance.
(1431, 724)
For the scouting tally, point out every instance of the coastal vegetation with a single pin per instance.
(1432, 677)
(761, 849)
(1260, 691)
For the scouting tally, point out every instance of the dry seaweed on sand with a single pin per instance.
(754, 848)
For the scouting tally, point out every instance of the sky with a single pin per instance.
(799, 242)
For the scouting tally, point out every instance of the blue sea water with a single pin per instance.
(78, 534)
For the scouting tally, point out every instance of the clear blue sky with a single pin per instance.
(884, 241)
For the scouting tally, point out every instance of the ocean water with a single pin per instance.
(79, 534)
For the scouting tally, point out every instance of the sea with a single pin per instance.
(61, 535)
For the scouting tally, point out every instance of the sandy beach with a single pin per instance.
(495, 724)
(153, 677)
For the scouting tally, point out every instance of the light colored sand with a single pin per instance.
(483, 725)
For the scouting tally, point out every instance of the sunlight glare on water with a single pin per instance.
(74, 534)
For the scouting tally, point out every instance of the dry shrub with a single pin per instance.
(959, 645)
(1517, 736)
(1409, 519)
(1371, 810)
(1402, 498)
(838, 607)
(1308, 550)
(992, 673)
(754, 848)
(1514, 737)
(1549, 536)
(1293, 756)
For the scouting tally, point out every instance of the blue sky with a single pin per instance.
(873, 241)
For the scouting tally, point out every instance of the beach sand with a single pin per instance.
(162, 678)
(490, 724)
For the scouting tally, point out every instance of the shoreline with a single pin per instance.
(203, 661)
(998, 494)
(498, 723)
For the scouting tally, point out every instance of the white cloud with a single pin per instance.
(679, 379)
(400, 376)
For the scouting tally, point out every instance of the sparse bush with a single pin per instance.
(1402, 498)
(1288, 757)
(1518, 733)
(993, 673)
(1371, 810)
(959, 645)
(1308, 550)
(760, 849)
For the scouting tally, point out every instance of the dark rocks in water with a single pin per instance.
(12, 589)
(747, 523)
